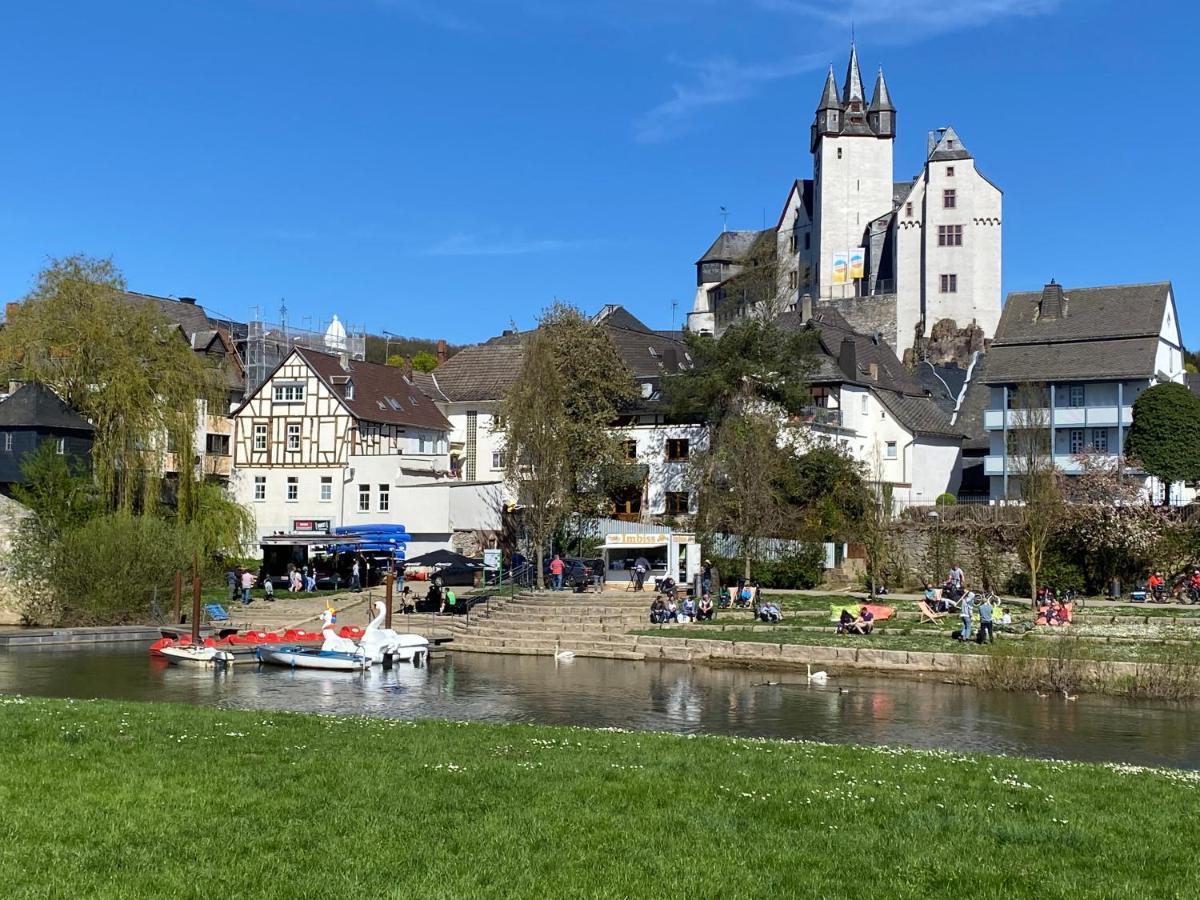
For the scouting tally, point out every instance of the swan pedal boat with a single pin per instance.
(297, 657)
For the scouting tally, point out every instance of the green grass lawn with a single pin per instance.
(108, 799)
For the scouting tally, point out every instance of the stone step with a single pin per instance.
(537, 644)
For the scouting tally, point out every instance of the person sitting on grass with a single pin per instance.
(1005, 616)
(689, 610)
(705, 613)
(672, 610)
(769, 612)
(845, 621)
(865, 622)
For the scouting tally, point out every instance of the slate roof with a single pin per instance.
(730, 246)
(896, 389)
(485, 371)
(942, 383)
(943, 153)
(1105, 332)
(970, 412)
(374, 383)
(619, 317)
(33, 405)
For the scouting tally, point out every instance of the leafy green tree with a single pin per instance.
(424, 361)
(556, 421)
(1164, 437)
(1037, 478)
(827, 489)
(395, 360)
(123, 365)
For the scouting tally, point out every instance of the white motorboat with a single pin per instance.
(379, 642)
(297, 657)
(197, 655)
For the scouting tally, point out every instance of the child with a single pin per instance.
(1005, 616)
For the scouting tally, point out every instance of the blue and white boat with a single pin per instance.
(298, 657)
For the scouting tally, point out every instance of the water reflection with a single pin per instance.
(646, 695)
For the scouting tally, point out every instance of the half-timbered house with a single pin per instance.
(327, 441)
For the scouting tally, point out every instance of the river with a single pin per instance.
(658, 696)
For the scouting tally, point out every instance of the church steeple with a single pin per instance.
(829, 111)
(881, 114)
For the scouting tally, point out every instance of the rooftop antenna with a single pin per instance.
(674, 306)
(724, 219)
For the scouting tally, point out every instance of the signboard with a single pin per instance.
(312, 526)
(840, 267)
(491, 559)
(856, 264)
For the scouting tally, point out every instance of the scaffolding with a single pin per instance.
(268, 343)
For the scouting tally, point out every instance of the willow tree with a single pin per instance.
(557, 417)
(124, 366)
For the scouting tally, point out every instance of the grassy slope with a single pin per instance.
(107, 799)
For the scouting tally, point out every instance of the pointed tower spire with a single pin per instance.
(828, 119)
(829, 96)
(881, 114)
(854, 86)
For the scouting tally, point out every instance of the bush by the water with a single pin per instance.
(797, 571)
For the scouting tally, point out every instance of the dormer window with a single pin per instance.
(349, 390)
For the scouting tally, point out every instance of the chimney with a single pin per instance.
(508, 332)
(848, 359)
(1053, 304)
(190, 301)
(344, 361)
(406, 369)
(873, 371)
(670, 361)
(806, 308)
(441, 352)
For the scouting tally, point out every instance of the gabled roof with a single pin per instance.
(730, 246)
(618, 316)
(33, 405)
(894, 387)
(803, 187)
(1100, 333)
(376, 386)
(949, 147)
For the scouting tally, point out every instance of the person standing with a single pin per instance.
(985, 622)
(231, 583)
(247, 583)
(640, 568)
(968, 601)
(706, 579)
(556, 573)
(355, 582)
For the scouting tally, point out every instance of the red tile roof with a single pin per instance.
(381, 393)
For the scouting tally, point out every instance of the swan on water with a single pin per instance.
(817, 677)
(562, 654)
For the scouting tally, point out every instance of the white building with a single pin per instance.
(469, 386)
(1090, 352)
(893, 257)
(865, 400)
(326, 441)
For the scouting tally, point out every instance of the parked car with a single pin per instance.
(577, 572)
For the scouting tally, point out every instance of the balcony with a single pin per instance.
(1064, 462)
(819, 417)
(1064, 417)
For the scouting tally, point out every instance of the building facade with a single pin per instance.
(1072, 361)
(327, 441)
(31, 416)
(890, 257)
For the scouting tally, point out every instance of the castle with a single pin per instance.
(893, 257)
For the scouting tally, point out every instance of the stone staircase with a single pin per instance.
(594, 625)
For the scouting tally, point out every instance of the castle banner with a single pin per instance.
(856, 264)
(840, 267)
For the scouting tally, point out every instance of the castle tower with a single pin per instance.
(852, 169)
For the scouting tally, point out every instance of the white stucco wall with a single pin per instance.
(664, 475)
(849, 193)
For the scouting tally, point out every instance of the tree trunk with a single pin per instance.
(747, 572)
(1033, 585)
(541, 581)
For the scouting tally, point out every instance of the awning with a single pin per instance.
(308, 540)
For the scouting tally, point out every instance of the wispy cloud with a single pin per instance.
(723, 80)
(462, 244)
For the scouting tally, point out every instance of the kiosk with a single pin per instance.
(671, 553)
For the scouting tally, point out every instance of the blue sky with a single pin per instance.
(444, 168)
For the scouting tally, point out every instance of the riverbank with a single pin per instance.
(107, 799)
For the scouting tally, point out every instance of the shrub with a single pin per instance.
(946, 499)
(1057, 571)
(106, 570)
(798, 571)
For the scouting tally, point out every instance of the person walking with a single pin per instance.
(985, 621)
(247, 583)
(556, 573)
(968, 601)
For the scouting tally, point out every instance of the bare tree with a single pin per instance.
(559, 446)
(1031, 446)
